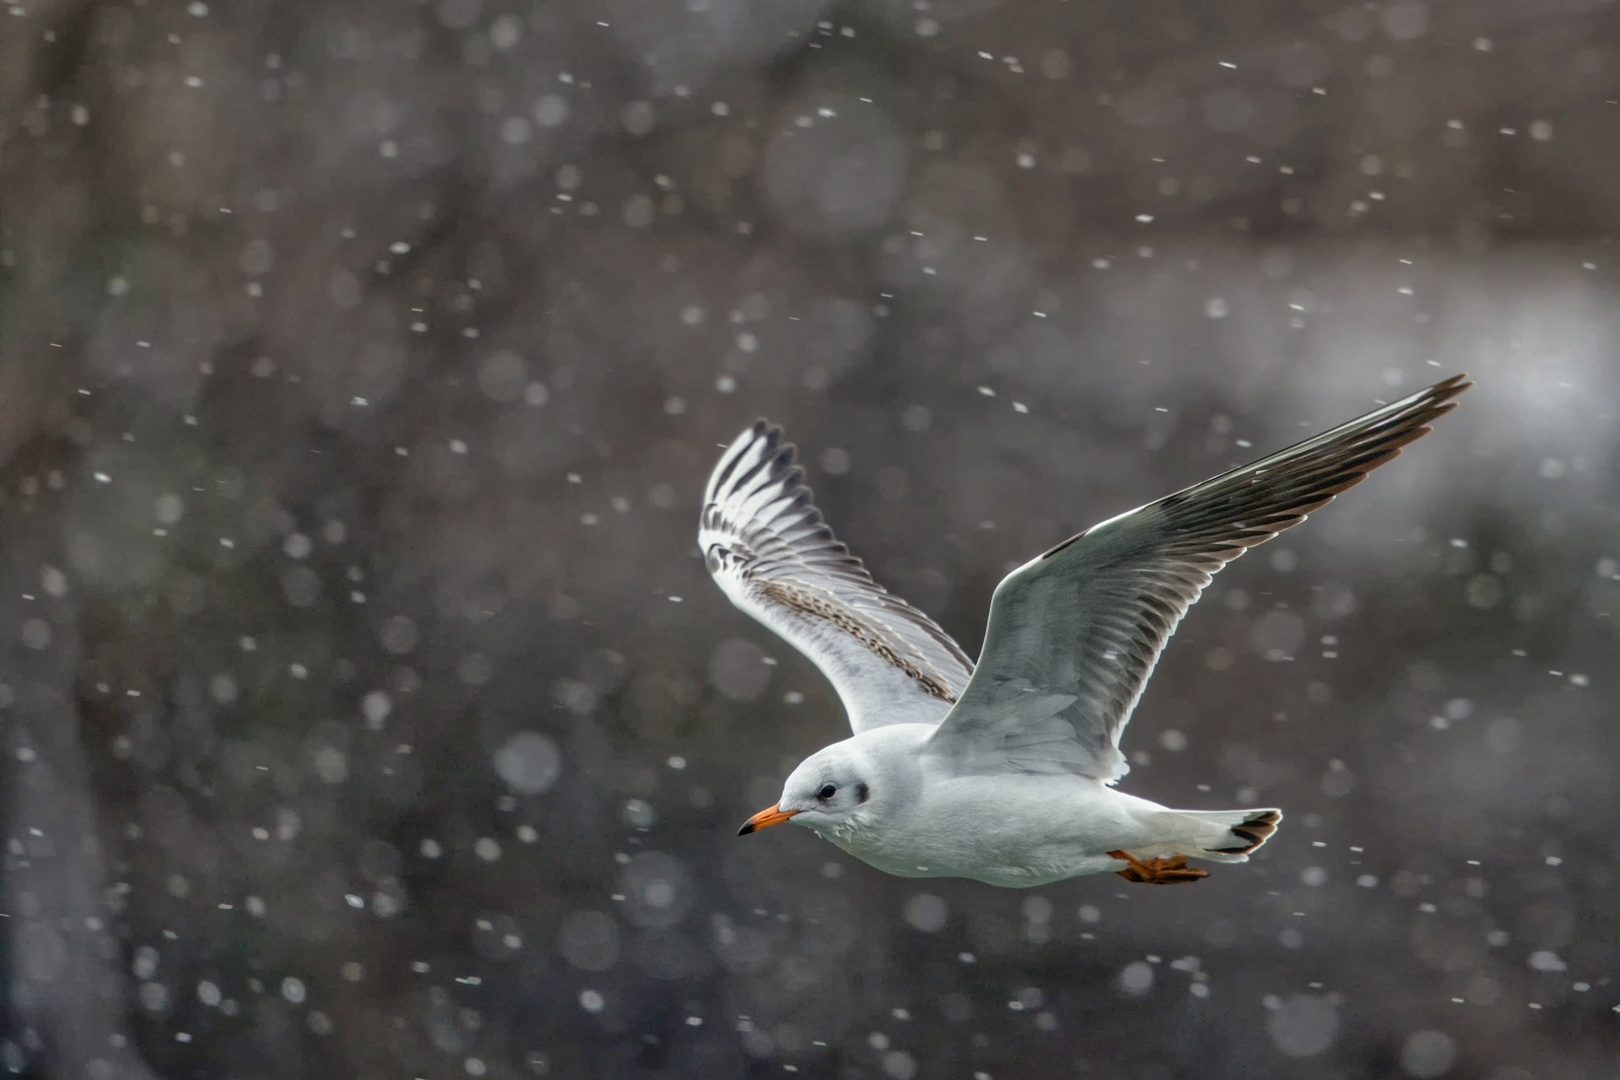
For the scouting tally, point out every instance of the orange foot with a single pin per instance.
(1158, 871)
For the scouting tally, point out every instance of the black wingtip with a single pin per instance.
(1441, 396)
(1450, 388)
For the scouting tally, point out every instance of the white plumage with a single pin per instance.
(1002, 772)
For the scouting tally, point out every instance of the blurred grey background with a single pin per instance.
(367, 712)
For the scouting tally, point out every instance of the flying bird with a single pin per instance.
(1003, 771)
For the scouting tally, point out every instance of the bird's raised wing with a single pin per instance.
(769, 549)
(1074, 634)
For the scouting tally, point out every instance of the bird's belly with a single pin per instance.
(1013, 870)
(1015, 832)
(1019, 851)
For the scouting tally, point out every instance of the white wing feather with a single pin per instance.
(1074, 634)
(767, 546)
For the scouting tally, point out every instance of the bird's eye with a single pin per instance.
(827, 791)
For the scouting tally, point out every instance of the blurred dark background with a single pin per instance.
(367, 713)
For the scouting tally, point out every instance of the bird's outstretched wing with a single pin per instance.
(769, 549)
(1074, 634)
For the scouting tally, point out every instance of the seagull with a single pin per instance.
(1003, 772)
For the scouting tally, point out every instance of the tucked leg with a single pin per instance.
(1172, 871)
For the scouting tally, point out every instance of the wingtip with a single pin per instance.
(772, 435)
(761, 428)
(1416, 411)
(1449, 388)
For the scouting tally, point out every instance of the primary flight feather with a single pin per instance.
(1003, 772)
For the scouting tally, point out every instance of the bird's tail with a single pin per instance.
(1228, 835)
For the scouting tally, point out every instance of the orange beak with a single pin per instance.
(765, 819)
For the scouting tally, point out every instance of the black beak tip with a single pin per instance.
(748, 827)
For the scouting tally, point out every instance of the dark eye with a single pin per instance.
(827, 791)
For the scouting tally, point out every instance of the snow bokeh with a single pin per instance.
(367, 711)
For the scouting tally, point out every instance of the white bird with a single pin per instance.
(1003, 772)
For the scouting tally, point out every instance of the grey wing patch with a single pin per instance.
(1090, 617)
(768, 547)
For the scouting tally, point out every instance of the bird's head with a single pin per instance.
(831, 792)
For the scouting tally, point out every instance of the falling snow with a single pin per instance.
(366, 694)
